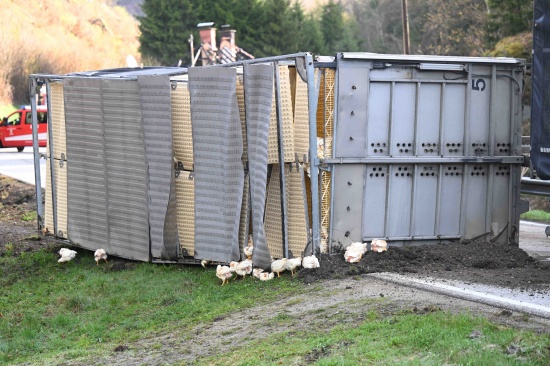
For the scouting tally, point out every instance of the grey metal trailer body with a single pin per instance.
(163, 164)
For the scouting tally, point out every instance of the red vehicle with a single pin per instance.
(16, 129)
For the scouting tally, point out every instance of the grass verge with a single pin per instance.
(433, 338)
(51, 312)
(75, 308)
(537, 216)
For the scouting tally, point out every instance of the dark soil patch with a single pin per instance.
(476, 261)
(18, 225)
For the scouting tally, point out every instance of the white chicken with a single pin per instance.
(378, 245)
(292, 264)
(224, 273)
(310, 262)
(279, 266)
(66, 255)
(256, 272)
(99, 255)
(353, 253)
(266, 276)
(359, 246)
(233, 266)
(249, 249)
(243, 268)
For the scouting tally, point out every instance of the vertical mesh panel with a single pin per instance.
(181, 124)
(219, 174)
(258, 93)
(185, 192)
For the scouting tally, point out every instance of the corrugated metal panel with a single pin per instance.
(258, 85)
(432, 150)
(219, 173)
(154, 91)
(107, 187)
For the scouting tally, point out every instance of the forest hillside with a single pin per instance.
(61, 36)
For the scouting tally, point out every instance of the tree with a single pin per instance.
(165, 29)
(339, 32)
(454, 27)
(508, 18)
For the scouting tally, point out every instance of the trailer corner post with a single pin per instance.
(313, 159)
(36, 154)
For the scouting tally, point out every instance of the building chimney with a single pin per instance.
(207, 34)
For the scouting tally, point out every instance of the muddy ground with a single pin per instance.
(340, 291)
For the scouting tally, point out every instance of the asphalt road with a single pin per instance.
(20, 165)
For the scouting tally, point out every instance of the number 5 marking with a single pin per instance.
(476, 83)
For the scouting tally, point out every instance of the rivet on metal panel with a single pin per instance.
(375, 150)
(347, 234)
(61, 163)
(349, 184)
(352, 113)
(191, 176)
(381, 150)
(354, 87)
(351, 138)
(174, 85)
(348, 208)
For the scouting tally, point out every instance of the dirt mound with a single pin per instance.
(476, 261)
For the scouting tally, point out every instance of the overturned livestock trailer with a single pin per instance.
(305, 154)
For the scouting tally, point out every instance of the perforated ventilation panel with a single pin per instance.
(155, 100)
(57, 115)
(273, 222)
(181, 124)
(287, 118)
(258, 91)
(219, 173)
(297, 212)
(185, 191)
(107, 185)
(301, 117)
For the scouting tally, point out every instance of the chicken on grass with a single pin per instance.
(99, 255)
(67, 255)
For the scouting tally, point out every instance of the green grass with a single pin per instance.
(51, 312)
(29, 216)
(436, 338)
(48, 309)
(536, 215)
